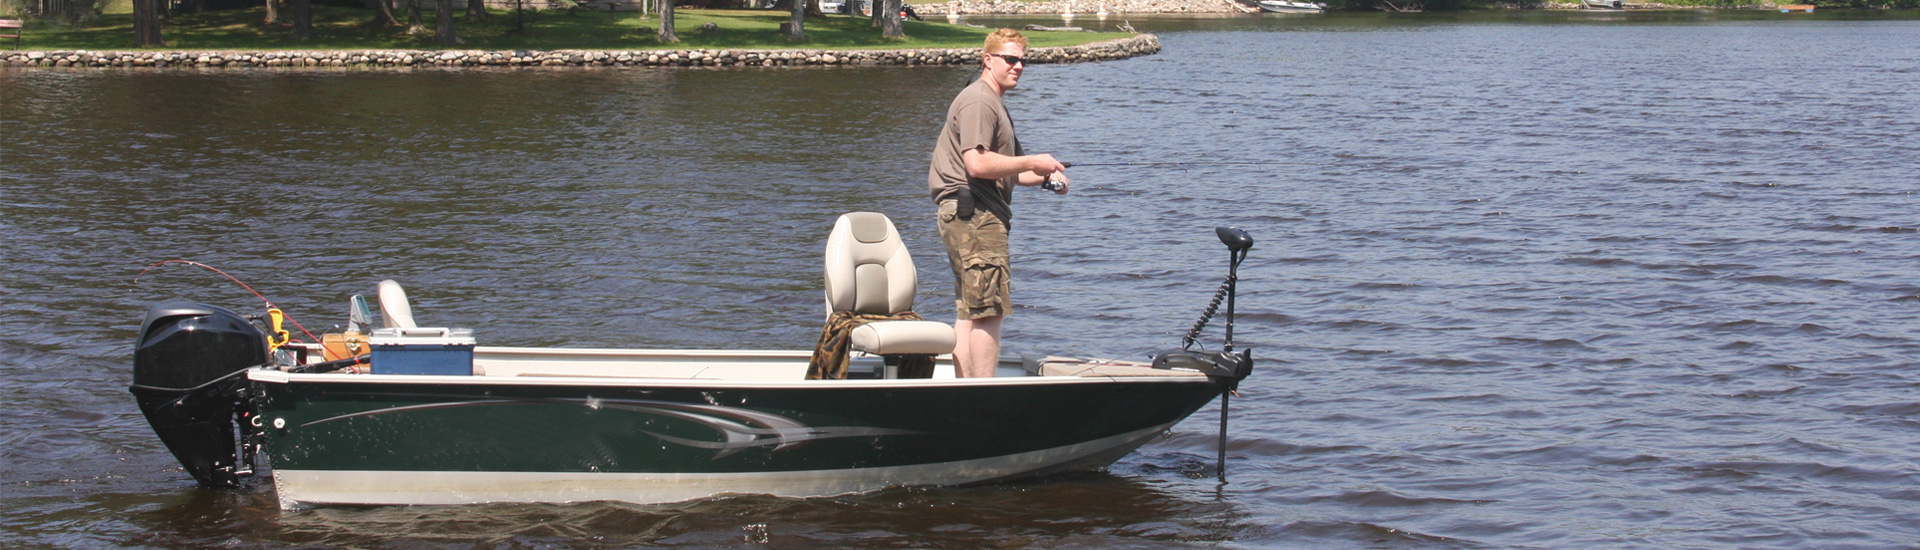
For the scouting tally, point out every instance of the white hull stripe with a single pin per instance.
(297, 487)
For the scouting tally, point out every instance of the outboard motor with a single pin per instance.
(187, 378)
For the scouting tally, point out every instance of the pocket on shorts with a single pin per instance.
(986, 284)
(947, 212)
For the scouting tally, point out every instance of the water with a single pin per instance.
(1542, 280)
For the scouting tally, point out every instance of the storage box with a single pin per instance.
(427, 350)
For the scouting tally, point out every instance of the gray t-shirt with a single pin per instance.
(977, 118)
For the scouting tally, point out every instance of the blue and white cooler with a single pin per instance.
(422, 350)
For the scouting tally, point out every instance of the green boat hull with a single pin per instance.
(447, 440)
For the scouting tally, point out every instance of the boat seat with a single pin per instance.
(869, 271)
(394, 309)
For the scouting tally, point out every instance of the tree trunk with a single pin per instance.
(302, 19)
(878, 8)
(890, 27)
(383, 13)
(666, 23)
(477, 10)
(146, 23)
(796, 30)
(273, 12)
(413, 17)
(443, 23)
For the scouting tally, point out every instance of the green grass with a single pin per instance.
(349, 28)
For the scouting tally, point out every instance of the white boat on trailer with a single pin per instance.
(426, 417)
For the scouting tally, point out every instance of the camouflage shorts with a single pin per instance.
(977, 252)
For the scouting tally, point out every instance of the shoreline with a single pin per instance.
(381, 59)
(1114, 8)
(1120, 48)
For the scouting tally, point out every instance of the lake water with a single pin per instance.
(1565, 280)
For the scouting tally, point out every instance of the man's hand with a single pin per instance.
(1043, 165)
(1057, 183)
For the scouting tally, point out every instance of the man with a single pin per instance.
(976, 162)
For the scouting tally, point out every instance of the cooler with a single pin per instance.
(425, 350)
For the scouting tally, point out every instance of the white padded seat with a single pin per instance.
(903, 337)
(869, 271)
(395, 310)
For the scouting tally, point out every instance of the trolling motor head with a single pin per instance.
(1236, 239)
(1224, 367)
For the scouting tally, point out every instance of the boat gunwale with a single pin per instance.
(273, 376)
(644, 352)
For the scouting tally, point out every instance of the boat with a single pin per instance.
(1613, 5)
(1287, 6)
(409, 415)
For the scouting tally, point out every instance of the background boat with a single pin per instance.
(1288, 6)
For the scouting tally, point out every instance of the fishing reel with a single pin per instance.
(1224, 367)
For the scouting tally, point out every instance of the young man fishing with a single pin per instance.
(976, 162)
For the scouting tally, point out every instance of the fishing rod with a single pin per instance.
(1055, 186)
(1196, 163)
(274, 314)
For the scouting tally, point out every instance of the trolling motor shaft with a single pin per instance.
(1224, 367)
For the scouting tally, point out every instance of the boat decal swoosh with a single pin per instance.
(740, 429)
(780, 431)
(421, 407)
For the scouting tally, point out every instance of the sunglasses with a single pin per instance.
(1010, 59)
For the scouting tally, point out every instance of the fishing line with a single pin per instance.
(243, 284)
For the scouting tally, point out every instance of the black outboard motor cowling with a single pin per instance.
(186, 379)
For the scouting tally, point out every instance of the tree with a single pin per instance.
(302, 19)
(796, 27)
(73, 12)
(273, 12)
(383, 13)
(413, 17)
(666, 23)
(146, 22)
(443, 23)
(890, 28)
(477, 10)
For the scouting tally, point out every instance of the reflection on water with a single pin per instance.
(1523, 279)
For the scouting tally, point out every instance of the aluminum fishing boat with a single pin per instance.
(419, 415)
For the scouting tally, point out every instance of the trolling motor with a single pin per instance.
(1224, 367)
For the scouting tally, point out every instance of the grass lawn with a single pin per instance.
(339, 28)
